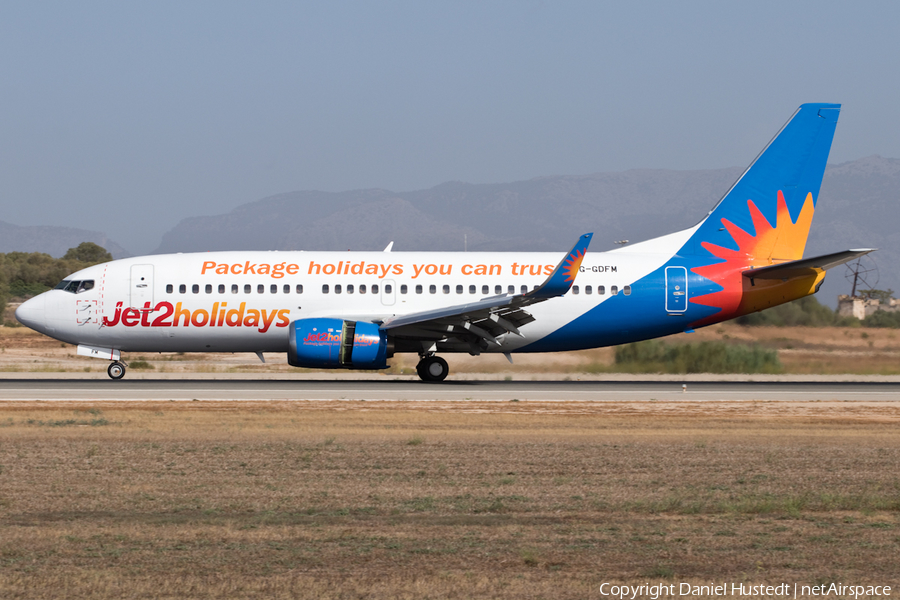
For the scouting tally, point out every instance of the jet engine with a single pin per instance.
(337, 344)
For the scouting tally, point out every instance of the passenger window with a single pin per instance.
(208, 288)
(170, 288)
(575, 289)
(182, 289)
(471, 289)
(349, 288)
(287, 288)
(403, 289)
(234, 288)
(260, 289)
(498, 289)
(459, 289)
(273, 288)
(299, 288)
(601, 290)
(375, 288)
(388, 289)
(446, 289)
(195, 289)
(626, 290)
(588, 290)
(485, 290)
(432, 289)
(362, 288)
(247, 288)
(613, 290)
(324, 288)
(337, 288)
(511, 289)
(419, 289)
(523, 289)
(221, 288)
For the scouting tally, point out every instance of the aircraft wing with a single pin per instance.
(806, 266)
(475, 324)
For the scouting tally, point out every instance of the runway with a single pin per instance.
(457, 391)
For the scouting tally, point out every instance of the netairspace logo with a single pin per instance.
(781, 590)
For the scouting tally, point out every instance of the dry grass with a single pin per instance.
(414, 500)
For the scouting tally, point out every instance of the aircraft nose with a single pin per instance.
(32, 313)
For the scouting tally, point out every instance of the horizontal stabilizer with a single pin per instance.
(806, 266)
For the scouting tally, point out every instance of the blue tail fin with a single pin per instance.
(782, 183)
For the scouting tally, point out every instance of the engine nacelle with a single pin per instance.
(337, 344)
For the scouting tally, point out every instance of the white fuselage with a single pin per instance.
(245, 301)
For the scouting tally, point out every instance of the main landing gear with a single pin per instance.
(432, 369)
(116, 370)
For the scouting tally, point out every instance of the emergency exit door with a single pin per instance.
(388, 293)
(676, 289)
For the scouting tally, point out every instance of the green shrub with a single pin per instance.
(654, 356)
(88, 252)
(882, 318)
(805, 312)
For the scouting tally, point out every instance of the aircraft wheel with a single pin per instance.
(433, 369)
(116, 370)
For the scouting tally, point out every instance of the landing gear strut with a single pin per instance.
(116, 370)
(432, 369)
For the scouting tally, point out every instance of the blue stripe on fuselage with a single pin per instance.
(621, 319)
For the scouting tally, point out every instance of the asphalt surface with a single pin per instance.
(462, 391)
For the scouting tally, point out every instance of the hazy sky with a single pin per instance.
(125, 117)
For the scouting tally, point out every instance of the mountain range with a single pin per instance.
(858, 207)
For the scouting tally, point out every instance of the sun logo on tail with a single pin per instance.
(769, 245)
(571, 265)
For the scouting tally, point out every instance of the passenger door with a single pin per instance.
(141, 285)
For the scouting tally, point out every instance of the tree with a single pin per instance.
(88, 252)
(882, 296)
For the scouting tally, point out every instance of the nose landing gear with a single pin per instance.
(116, 370)
(432, 369)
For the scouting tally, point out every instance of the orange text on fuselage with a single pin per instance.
(380, 270)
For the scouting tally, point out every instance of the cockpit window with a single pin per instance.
(75, 287)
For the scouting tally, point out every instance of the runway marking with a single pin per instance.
(452, 393)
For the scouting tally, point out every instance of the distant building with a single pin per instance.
(859, 307)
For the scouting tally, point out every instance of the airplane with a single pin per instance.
(355, 310)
